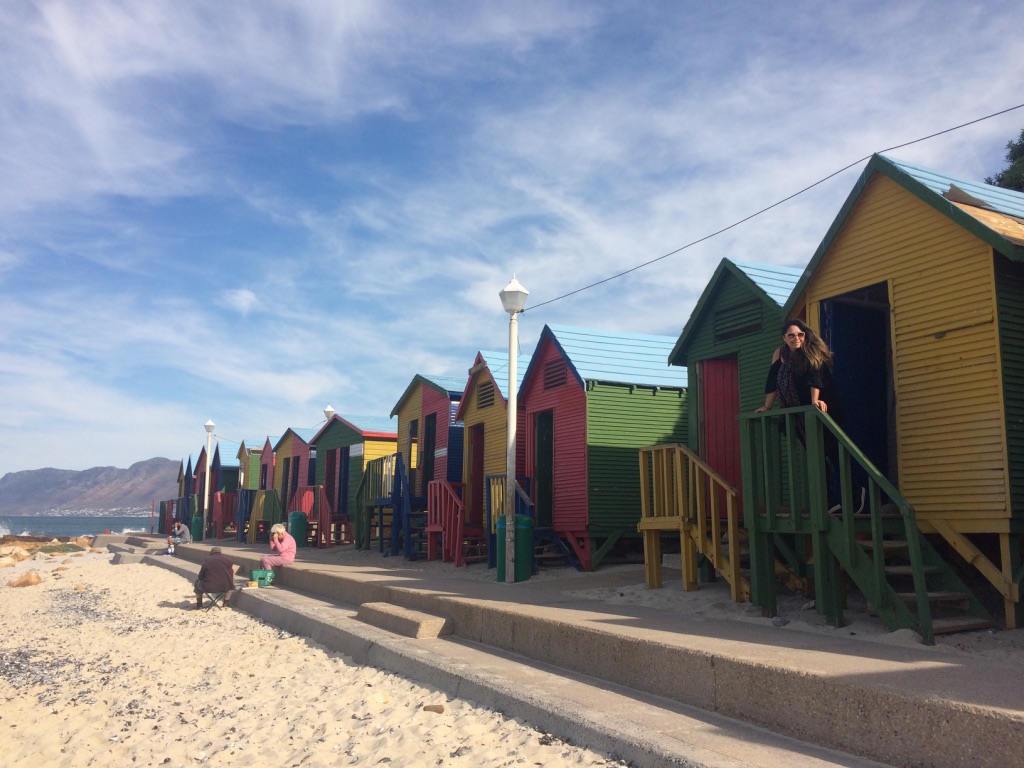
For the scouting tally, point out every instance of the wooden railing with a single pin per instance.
(445, 519)
(373, 494)
(786, 481)
(680, 493)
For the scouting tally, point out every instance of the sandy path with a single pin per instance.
(104, 665)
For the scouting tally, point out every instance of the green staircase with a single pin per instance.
(871, 536)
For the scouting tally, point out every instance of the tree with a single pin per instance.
(1011, 177)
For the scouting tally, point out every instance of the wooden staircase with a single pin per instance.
(872, 536)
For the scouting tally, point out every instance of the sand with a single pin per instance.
(104, 665)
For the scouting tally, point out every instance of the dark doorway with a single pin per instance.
(855, 325)
(544, 458)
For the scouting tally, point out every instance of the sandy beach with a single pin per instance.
(105, 665)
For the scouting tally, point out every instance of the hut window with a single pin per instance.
(554, 374)
(485, 394)
(738, 320)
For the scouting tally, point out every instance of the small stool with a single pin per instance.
(217, 600)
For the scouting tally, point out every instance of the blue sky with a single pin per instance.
(245, 211)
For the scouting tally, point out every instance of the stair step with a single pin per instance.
(936, 597)
(888, 545)
(907, 570)
(950, 624)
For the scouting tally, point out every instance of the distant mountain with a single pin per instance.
(38, 491)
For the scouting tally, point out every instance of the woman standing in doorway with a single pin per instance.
(799, 371)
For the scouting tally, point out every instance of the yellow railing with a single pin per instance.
(679, 492)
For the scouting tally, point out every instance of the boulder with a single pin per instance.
(29, 579)
(7, 562)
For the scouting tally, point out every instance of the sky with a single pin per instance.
(245, 211)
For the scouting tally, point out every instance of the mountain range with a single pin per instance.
(100, 489)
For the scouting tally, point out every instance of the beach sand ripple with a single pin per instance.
(123, 671)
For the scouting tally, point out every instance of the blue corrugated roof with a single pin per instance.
(1006, 201)
(372, 423)
(497, 362)
(621, 358)
(777, 282)
(454, 384)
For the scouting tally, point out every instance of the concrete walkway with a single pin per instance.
(651, 686)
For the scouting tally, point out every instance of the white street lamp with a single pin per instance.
(513, 299)
(209, 425)
(329, 412)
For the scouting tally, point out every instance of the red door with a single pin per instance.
(720, 406)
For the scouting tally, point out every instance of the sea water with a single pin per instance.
(73, 525)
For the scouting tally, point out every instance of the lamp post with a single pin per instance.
(513, 299)
(209, 461)
(328, 412)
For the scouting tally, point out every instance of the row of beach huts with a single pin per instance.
(631, 444)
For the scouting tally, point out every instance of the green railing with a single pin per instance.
(785, 490)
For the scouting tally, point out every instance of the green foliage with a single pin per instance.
(1011, 177)
(54, 548)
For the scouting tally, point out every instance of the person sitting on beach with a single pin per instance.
(281, 542)
(180, 534)
(216, 574)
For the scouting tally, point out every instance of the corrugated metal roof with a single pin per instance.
(1006, 201)
(497, 362)
(777, 282)
(372, 423)
(622, 358)
(454, 384)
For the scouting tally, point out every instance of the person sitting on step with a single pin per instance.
(281, 542)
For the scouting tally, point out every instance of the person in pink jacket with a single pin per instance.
(281, 542)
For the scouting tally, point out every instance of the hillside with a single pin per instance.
(38, 491)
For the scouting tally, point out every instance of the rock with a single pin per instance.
(29, 579)
(438, 708)
(7, 549)
(41, 556)
(80, 587)
(778, 621)
(20, 554)
(60, 568)
(7, 562)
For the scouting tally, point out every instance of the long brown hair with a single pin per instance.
(816, 352)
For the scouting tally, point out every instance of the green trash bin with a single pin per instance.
(523, 550)
(298, 525)
(197, 528)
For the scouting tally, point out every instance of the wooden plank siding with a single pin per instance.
(620, 420)
(569, 404)
(339, 434)
(440, 405)
(494, 419)
(267, 466)
(950, 428)
(1010, 312)
(411, 410)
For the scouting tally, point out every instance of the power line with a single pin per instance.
(776, 204)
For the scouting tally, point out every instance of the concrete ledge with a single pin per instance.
(403, 621)
(124, 557)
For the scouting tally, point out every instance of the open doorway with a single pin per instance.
(856, 326)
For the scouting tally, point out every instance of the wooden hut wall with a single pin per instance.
(372, 448)
(265, 481)
(1010, 301)
(295, 451)
(249, 469)
(438, 405)
(568, 404)
(411, 410)
(490, 413)
(718, 336)
(621, 419)
(952, 454)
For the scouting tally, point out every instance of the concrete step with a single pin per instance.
(403, 621)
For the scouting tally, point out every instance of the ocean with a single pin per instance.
(73, 525)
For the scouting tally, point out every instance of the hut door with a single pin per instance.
(284, 483)
(476, 474)
(720, 407)
(543, 471)
(341, 505)
(856, 328)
